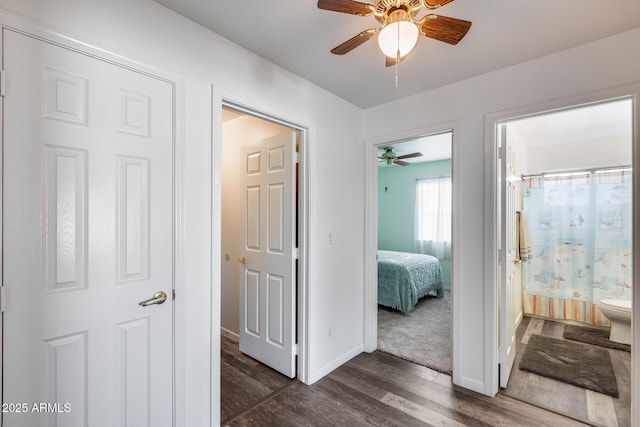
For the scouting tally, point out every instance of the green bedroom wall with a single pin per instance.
(396, 206)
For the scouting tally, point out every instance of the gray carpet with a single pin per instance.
(422, 337)
(583, 365)
(599, 337)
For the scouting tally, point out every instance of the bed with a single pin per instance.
(404, 278)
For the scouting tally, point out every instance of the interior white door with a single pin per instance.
(87, 235)
(267, 279)
(511, 267)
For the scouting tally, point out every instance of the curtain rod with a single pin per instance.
(575, 171)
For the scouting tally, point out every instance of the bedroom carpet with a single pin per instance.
(599, 337)
(575, 363)
(423, 336)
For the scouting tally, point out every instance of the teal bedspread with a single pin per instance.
(404, 278)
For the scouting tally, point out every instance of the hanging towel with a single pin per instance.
(523, 240)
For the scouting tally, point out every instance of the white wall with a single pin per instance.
(141, 29)
(235, 134)
(595, 66)
(579, 155)
(146, 31)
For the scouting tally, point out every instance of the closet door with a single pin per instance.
(267, 279)
(87, 236)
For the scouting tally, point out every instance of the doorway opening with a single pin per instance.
(262, 257)
(564, 233)
(414, 250)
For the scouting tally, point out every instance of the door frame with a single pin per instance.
(56, 37)
(219, 101)
(491, 289)
(371, 231)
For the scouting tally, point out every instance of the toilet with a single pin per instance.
(619, 313)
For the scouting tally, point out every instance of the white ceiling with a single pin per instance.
(433, 147)
(228, 115)
(598, 122)
(298, 36)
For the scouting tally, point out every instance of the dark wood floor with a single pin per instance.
(576, 402)
(245, 382)
(375, 389)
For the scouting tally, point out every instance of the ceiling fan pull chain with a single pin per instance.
(397, 60)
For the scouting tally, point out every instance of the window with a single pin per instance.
(433, 210)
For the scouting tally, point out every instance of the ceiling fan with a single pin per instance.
(390, 156)
(400, 27)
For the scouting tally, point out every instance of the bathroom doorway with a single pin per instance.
(571, 176)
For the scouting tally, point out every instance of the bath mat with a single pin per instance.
(593, 336)
(583, 365)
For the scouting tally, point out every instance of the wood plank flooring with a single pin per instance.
(244, 382)
(591, 407)
(373, 389)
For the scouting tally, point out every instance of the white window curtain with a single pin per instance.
(432, 230)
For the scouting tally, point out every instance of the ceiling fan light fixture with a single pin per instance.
(399, 21)
(400, 33)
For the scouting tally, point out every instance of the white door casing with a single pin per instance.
(267, 279)
(510, 289)
(87, 235)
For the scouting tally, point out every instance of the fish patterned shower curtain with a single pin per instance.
(580, 230)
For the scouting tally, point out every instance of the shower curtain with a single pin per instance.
(580, 229)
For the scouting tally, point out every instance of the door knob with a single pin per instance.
(157, 298)
(242, 259)
(516, 261)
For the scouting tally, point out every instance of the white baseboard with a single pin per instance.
(231, 335)
(471, 384)
(336, 363)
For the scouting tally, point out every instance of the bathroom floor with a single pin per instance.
(584, 405)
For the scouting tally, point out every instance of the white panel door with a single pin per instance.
(87, 235)
(267, 279)
(510, 280)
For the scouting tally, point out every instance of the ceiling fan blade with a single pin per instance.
(401, 163)
(445, 29)
(389, 61)
(354, 42)
(408, 156)
(346, 6)
(434, 4)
